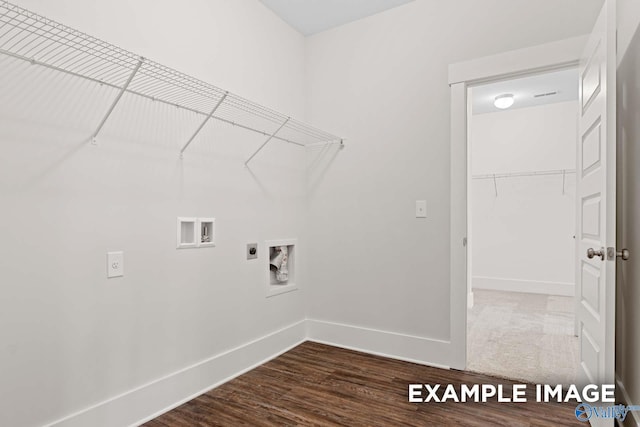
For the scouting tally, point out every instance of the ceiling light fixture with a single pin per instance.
(504, 101)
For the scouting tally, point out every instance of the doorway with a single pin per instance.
(596, 250)
(521, 227)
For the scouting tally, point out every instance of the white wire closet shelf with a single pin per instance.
(30, 37)
(496, 176)
(527, 173)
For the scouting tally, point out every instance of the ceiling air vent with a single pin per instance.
(540, 95)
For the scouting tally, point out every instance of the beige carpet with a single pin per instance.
(523, 336)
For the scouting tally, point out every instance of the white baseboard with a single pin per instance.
(518, 285)
(150, 400)
(135, 406)
(409, 348)
(634, 416)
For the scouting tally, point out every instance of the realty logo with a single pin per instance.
(585, 412)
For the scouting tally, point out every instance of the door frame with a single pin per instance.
(537, 59)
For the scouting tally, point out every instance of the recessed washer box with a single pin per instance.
(281, 266)
(196, 232)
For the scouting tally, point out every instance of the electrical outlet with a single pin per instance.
(115, 264)
(252, 251)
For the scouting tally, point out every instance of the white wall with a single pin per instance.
(524, 139)
(382, 82)
(70, 337)
(628, 207)
(522, 239)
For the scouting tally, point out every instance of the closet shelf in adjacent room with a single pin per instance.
(529, 173)
(30, 37)
(496, 176)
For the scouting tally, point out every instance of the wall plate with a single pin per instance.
(115, 264)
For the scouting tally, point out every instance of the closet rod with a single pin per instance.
(518, 174)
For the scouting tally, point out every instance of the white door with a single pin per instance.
(596, 222)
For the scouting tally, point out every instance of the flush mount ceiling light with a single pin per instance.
(504, 101)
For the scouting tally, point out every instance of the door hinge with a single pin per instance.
(464, 241)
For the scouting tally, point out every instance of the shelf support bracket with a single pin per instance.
(203, 123)
(123, 89)
(495, 185)
(267, 141)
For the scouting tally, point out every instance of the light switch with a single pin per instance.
(421, 208)
(115, 264)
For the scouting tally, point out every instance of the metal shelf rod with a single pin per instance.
(115, 101)
(204, 122)
(267, 141)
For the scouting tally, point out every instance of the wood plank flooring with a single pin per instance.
(319, 385)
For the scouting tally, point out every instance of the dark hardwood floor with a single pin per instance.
(320, 385)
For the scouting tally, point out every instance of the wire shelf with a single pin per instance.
(496, 176)
(527, 173)
(31, 37)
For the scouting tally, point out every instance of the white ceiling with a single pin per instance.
(313, 16)
(524, 89)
